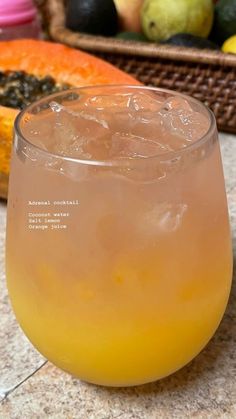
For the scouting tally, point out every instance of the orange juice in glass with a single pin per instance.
(118, 242)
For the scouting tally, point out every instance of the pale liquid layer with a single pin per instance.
(136, 285)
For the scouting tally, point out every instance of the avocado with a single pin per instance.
(191, 41)
(96, 17)
(224, 21)
(132, 36)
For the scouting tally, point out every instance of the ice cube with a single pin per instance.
(140, 105)
(144, 125)
(171, 216)
(65, 133)
(165, 217)
(179, 119)
(143, 108)
(108, 102)
(95, 117)
(145, 101)
(177, 103)
(125, 145)
(75, 131)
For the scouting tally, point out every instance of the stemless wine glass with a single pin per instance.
(119, 257)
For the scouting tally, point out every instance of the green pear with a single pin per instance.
(163, 18)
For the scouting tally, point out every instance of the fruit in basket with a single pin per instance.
(129, 14)
(30, 69)
(97, 17)
(230, 45)
(224, 20)
(163, 18)
(191, 41)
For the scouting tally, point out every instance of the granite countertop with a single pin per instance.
(31, 387)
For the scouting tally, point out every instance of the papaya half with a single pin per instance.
(30, 69)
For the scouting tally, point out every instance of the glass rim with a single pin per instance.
(164, 156)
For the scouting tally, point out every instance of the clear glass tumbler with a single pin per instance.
(118, 267)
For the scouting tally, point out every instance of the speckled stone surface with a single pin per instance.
(206, 388)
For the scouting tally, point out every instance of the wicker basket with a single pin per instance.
(209, 76)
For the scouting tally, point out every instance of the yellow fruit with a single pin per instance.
(163, 18)
(230, 45)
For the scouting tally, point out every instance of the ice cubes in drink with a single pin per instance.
(136, 124)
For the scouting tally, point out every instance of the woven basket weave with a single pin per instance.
(209, 76)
